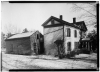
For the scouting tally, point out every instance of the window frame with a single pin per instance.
(68, 32)
(75, 33)
(68, 46)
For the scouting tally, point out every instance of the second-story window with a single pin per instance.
(68, 32)
(75, 33)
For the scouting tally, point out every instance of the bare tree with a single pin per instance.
(87, 12)
(13, 29)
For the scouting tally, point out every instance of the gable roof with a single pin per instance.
(80, 25)
(52, 17)
(21, 35)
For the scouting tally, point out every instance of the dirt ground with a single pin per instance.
(81, 61)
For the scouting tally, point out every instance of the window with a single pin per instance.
(52, 21)
(76, 44)
(75, 33)
(68, 32)
(69, 46)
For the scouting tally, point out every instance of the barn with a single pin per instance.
(57, 29)
(25, 43)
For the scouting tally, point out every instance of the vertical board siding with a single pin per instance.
(19, 46)
(51, 35)
(33, 39)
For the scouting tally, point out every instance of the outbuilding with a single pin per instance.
(25, 43)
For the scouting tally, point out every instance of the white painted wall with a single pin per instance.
(72, 38)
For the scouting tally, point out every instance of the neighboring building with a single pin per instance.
(25, 43)
(57, 28)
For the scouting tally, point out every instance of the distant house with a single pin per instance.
(25, 43)
(57, 28)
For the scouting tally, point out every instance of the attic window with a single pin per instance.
(52, 21)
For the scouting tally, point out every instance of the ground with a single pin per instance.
(81, 61)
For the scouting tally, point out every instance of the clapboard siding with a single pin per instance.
(71, 39)
(25, 45)
(50, 35)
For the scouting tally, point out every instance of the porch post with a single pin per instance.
(89, 46)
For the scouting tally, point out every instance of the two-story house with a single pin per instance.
(57, 28)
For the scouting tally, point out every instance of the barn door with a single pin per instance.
(35, 48)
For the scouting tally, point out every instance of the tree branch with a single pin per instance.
(85, 10)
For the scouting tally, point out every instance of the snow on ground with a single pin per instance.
(10, 61)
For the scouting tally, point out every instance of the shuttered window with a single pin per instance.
(68, 32)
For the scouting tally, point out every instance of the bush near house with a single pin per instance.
(85, 51)
(76, 52)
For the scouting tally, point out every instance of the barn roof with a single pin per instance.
(21, 35)
(80, 25)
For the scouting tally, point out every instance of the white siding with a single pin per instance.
(72, 38)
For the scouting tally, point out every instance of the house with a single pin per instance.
(25, 43)
(70, 33)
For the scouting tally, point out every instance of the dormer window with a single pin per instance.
(68, 32)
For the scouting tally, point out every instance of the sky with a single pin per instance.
(33, 15)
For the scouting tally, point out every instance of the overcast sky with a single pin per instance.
(33, 15)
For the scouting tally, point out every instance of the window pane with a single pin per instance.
(68, 32)
(69, 46)
(76, 45)
(75, 33)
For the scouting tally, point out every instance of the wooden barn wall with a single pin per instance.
(19, 46)
(33, 39)
(50, 35)
(37, 40)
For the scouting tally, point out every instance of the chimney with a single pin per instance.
(74, 20)
(61, 17)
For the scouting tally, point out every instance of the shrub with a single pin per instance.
(85, 51)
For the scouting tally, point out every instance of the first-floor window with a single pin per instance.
(76, 44)
(69, 46)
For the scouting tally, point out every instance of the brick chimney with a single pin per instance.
(61, 17)
(74, 20)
